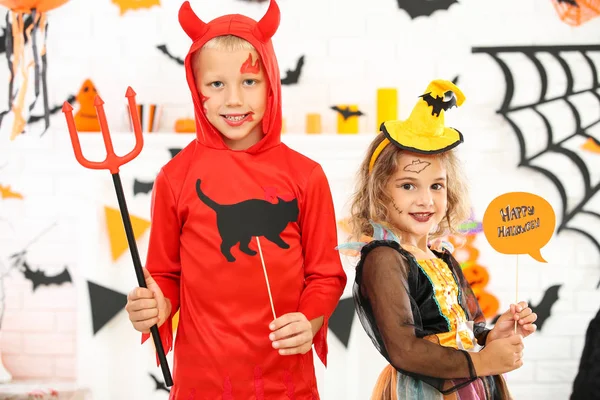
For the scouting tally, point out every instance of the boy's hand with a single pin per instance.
(292, 334)
(147, 306)
(505, 326)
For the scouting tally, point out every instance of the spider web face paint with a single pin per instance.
(248, 68)
(580, 213)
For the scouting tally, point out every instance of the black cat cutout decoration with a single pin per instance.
(240, 222)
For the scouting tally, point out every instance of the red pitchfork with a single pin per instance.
(112, 163)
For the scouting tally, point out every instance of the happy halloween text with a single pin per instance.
(510, 213)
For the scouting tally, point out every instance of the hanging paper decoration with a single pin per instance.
(592, 145)
(418, 8)
(132, 5)
(116, 231)
(292, 76)
(86, 118)
(24, 52)
(577, 12)
(105, 303)
(7, 193)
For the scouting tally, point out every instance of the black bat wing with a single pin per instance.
(544, 307)
(163, 49)
(142, 187)
(418, 8)
(293, 76)
(53, 110)
(438, 104)
(159, 385)
(174, 151)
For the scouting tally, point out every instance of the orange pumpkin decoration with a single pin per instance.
(86, 119)
(488, 303)
(477, 276)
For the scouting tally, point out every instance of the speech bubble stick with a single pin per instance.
(517, 288)
(519, 223)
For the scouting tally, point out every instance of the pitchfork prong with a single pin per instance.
(112, 162)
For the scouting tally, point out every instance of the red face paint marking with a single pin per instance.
(247, 66)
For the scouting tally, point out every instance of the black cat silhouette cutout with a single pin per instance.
(240, 222)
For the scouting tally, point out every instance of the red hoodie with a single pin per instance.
(209, 205)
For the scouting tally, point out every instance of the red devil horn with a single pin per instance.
(189, 21)
(269, 23)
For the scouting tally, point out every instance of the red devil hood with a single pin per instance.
(259, 35)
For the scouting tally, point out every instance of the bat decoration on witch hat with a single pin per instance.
(293, 76)
(424, 131)
(346, 112)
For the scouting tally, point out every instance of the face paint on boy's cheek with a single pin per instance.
(248, 68)
(203, 100)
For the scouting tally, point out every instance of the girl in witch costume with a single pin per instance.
(412, 298)
(243, 232)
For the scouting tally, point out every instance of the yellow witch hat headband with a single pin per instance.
(424, 131)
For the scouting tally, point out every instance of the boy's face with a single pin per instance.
(233, 90)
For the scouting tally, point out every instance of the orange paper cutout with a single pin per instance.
(116, 230)
(7, 193)
(591, 145)
(132, 5)
(579, 13)
(519, 223)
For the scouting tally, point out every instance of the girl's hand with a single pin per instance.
(505, 326)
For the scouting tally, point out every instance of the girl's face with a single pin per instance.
(419, 195)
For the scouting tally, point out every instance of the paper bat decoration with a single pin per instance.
(417, 166)
(585, 385)
(418, 8)
(163, 49)
(39, 277)
(293, 76)
(160, 385)
(132, 5)
(346, 112)
(544, 307)
(7, 193)
(340, 322)
(455, 80)
(142, 187)
(53, 110)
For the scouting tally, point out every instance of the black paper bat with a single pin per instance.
(164, 50)
(418, 8)
(142, 187)
(53, 110)
(39, 277)
(293, 76)
(159, 384)
(438, 102)
(346, 113)
(545, 305)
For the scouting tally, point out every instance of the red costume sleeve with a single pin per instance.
(324, 276)
(163, 260)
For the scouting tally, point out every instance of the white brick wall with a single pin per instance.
(351, 48)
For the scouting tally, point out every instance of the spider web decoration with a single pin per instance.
(544, 149)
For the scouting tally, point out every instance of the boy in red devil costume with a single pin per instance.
(243, 231)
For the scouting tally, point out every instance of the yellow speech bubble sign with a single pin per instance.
(519, 223)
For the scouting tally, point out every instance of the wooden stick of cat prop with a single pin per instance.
(262, 260)
(519, 223)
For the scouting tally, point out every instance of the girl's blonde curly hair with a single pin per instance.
(370, 200)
